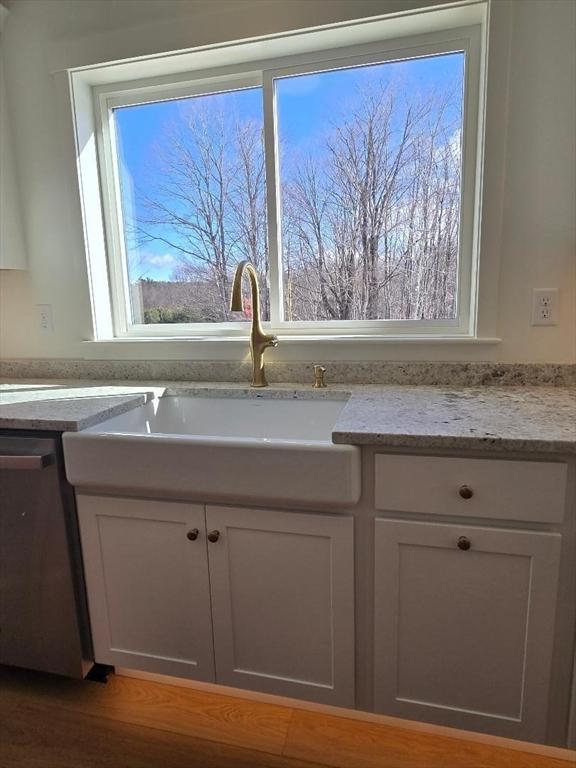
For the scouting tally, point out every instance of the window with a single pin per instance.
(192, 203)
(370, 161)
(349, 179)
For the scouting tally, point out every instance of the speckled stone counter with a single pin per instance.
(375, 372)
(527, 419)
(63, 407)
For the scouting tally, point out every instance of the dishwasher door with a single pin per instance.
(40, 620)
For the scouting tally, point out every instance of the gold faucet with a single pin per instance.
(258, 339)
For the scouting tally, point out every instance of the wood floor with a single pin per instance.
(48, 722)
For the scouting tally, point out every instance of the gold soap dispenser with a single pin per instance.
(319, 382)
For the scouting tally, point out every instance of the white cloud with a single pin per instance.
(160, 260)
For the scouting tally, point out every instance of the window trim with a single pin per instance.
(467, 39)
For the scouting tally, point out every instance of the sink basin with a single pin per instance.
(222, 417)
(231, 449)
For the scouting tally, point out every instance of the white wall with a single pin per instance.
(530, 165)
(12, 250)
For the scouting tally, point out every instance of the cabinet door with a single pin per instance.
(283, 602)
(464, 636)
(147, 585)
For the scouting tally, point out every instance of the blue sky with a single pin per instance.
(308, 106)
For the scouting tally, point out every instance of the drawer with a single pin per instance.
(531, 491)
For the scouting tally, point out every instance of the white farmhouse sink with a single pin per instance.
(250, 449)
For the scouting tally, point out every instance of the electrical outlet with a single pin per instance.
(45, 321)
(545, 306)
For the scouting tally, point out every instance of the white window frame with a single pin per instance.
(107, 101)
(467, 39)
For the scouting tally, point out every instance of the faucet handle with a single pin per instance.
(319, 372)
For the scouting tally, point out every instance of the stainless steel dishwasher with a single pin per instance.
(43, 622)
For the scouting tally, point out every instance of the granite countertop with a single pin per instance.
(532, 419)
(528, 419)
(64, 407)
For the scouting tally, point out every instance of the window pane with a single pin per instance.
(193, 204)
(370, 166)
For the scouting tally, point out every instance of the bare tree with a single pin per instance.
(208, 204)
(248, 204)
(370, 221)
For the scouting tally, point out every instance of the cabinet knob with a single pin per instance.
(464, 543)
(466, 492)
(213, 536)
(193, 534)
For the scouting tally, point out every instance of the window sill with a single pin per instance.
(307, 339)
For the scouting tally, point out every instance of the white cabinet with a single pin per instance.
(270, 595)
(464, 625)
(283, 602)
(147, 583)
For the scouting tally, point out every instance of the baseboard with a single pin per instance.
(355, 714)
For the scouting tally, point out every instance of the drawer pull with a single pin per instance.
(193, 534)
(464, 543)
(213, 536)
(466, 492)
(26, 460)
